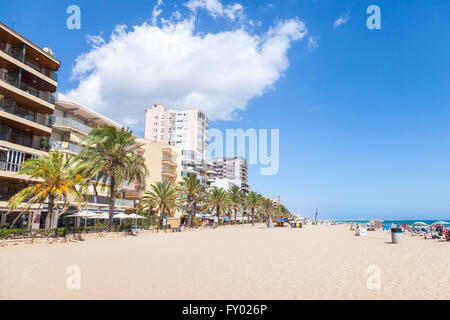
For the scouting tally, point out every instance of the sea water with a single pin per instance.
(396, 222)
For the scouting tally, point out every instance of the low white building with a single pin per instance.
(226, 183)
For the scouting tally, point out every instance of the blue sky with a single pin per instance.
(363, 116)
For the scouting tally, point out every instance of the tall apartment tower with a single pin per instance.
(229, 171)
(28, 77)
(186, 130)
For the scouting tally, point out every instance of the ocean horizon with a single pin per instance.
(395, 221)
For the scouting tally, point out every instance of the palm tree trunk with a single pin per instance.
(162, 216)
(218, 215)
(48, 220)
(112, 200)
(190, 214)
(253, 216)
(235, 215)
(189, 222)
(194, 209)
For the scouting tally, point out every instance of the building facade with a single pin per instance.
(163, 162)
(186, 130)
(28, 78)
(230, 171)
(71, 122)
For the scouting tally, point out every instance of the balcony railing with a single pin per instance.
(47, 72)
(68, 122)
(18, 53)
(12, 108)
(105, 200)
(65, 145)
(44, 95)
(23, 139)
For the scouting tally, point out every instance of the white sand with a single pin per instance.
(238, 262)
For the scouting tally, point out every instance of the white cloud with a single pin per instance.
(340, 21)
(215, 8)
(174, 65)
(313, 43)
(157, 11)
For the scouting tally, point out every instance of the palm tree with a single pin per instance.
(193, 191)
(236, 197)
(113, 160)
(164, 196)
(252, 202)
(58, 176)
(267, 207)
(216, 199)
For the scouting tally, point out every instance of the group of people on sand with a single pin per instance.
(436, 232)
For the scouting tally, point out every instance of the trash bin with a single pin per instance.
(396, 235)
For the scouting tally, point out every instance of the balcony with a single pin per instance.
(16, 136)
(65, 146)
(169, 161)
(10, 106)
(71, 123)
(168, 172)
(46, 72)
(11, 160)
(43, 95)
(10, 188)
(18, 52)
(105, 200)
(133, 194)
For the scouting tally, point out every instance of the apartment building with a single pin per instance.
(163, 162)
(230, 171)
(186, 130)
(28, 77)
(71, 121)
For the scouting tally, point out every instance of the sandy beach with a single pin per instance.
(238, 262)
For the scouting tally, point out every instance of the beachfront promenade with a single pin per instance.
(233, 262)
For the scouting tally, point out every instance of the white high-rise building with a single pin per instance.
(185, 129)
(229, 171)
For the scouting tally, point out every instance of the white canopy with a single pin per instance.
(99, 215)
(121, 216)
(135, 216)
(82, 214)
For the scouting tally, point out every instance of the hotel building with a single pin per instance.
(163, 162)
(72, 121)
(186, 130)
(230, 171)
(28, 77)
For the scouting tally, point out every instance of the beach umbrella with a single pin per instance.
(121, 216)
(82, 214)
(440, 223)
(420, 224)
(99, 215)
(136, 216)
